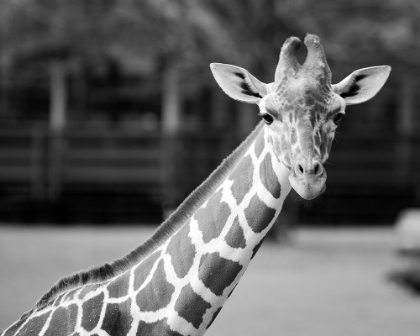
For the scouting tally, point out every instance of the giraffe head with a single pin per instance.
(301, 108)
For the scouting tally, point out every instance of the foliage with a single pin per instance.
(360, 27)
(195, 32)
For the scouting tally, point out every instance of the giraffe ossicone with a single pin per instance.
(177, 281)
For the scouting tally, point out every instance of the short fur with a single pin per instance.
(190, 205)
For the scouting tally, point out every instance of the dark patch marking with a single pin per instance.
(34, 325)
(71, 294)
(256, 248)
(242, 179)
(317, 95)
(309, 100)
(191, 306)
(246, 89)
(259, 144)
(157, 293)
(92, 311)
(182, 251)
(57, 301)
(73, 310)
(240, 75)
(160, 328)
(258, 214)
(359, 77)
(214, 317)
(213, 217)
(184, 212)
(235, 237)
(217, 273)
(117, 319)
(119, 287)
(12, 329)
(62, 323)
(318, 107)
(143, 270)
(269, 178)
(354, 87)
(288, 106)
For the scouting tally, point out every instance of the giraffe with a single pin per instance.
(177, 282)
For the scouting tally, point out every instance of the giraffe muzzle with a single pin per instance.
(308, 178)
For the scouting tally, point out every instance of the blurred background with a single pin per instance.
(109, 114)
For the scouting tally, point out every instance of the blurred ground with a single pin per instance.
(327, 282)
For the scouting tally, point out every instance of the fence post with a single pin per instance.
(38, 164)
(5, 76)
(171, 115)
(405, 128)
(58, 101)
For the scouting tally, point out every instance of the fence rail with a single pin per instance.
(44, 165)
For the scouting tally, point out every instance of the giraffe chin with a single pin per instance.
(308, 189)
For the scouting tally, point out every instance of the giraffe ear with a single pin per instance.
(362, 84)
(238, 83)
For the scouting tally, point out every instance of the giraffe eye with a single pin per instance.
(267, 118)
(337, 118)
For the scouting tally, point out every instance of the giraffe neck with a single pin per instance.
(181, 284)
(198, 267)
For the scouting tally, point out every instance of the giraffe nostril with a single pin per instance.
(316, 168)
(300, 168)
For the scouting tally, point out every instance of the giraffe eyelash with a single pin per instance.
(268, 118)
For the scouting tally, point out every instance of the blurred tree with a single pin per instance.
(146, 35)
(258, 35)
(358, 27)
(371, 32)
(160, 38)
(157, 35)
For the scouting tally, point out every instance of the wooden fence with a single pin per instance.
(366, 175)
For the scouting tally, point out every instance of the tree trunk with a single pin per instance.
(171, 124)
(58, 97)
(171, 99)
(58, 104)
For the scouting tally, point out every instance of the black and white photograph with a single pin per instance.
(209, 167)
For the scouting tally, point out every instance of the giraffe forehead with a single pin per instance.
(305, 103)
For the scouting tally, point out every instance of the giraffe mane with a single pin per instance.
(182, 214)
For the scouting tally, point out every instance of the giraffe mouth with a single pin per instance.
(308, 186)
(308, 191)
